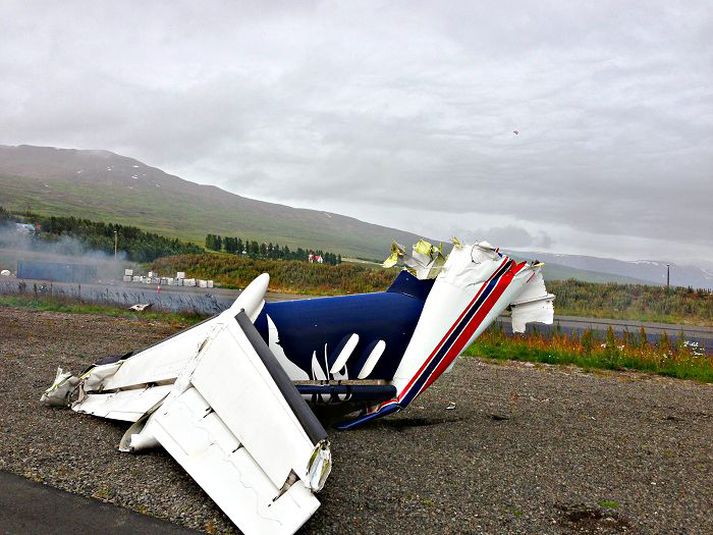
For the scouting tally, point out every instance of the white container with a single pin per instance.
(128, 272)
(150, 274)
(189, 282)
(169, 281)
(127, 278)
(137, 278)
(202, 283)
(209, 283)
(180, 274)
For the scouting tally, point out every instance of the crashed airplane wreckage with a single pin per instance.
(228, 398)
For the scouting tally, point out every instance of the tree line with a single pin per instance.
(139, 246)
(142, 246)
(255, 249)
(5, 216)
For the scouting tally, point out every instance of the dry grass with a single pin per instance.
(631, 351)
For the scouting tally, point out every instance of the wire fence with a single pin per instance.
(192, 302)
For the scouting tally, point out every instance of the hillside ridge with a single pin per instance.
(106, 186)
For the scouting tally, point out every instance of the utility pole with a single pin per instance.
(668, 276)
(116, 244)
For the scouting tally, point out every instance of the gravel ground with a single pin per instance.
(528, 449)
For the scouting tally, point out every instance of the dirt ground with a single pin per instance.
(528, 449)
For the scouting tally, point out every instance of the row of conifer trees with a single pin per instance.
(255, 249)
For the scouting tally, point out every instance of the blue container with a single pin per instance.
(52, 271)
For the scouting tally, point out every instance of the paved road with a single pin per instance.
(200, 300)
(214, 300)
(29, 507)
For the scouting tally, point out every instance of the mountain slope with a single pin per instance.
(553, 271)
(104, 186)
(648, 271)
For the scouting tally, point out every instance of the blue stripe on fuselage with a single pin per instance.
(418, 384)
(397, 405)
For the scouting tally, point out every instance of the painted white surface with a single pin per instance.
(126, 405)
(372, 360)
(209, 451)
(163, 362)
(344, 354)
(465, 272)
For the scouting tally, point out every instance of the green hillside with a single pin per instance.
(104, 186)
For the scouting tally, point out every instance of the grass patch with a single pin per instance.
(671, 358)
(633, 302)
(76, 306)
(286, 276)
(608, 504)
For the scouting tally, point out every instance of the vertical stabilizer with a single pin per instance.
(476, 284)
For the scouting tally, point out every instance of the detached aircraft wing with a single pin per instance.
(217, 399)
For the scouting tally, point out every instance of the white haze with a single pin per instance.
(18, 245)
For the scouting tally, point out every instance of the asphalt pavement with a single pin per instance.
(29, 507)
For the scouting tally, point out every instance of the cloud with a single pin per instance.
(398, 112)
(507, 237)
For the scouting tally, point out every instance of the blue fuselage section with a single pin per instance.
(315, 330)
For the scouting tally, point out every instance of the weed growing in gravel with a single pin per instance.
(608, 504)
(102, 493)
(630, 351)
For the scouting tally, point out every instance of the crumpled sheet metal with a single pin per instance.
(62, 388)
(425, 261)
(227, 416)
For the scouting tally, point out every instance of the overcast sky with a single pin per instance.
(398, 113)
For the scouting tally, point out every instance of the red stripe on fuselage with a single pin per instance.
(445, 337)
(473, 324)
(514, 269)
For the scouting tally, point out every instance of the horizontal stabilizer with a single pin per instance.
(219, 402)
(243, 433)
(126, 405)
(116, 387)
(534, 304)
